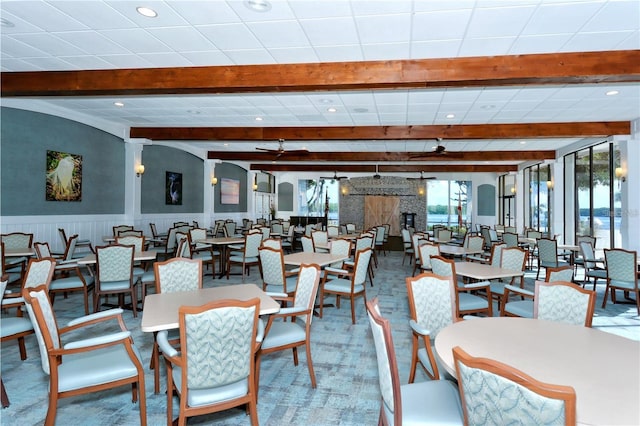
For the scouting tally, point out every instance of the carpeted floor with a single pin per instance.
(343, 358)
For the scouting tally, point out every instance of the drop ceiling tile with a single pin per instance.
(595, 41)
(280, 10)
(274, 34)
(13, 47)
(100, 16)
(630, 43)
(230, 36)
(126, 61)
(382, 52)
(327, 8)
(51, 44)
(435, 49)
(460, 95)
(433, 6)
(363, 8)
(19, 25)
(9, 64)
(136, 40)
(384, 29)
(615, 16)
(87, 62)
(294, 55)
(445, 25)
(205, 12)
(486, 46)
(92, 43)
(250, 56)
(560, 18)
(539, 44)
(168, 59)
(209, 58)
(167, 16)
(50, 63)
(499, 21)
(182, 39)
(339, 53)
(331, 31)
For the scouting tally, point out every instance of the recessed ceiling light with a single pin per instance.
(451, 115)
(258, 5)
(225, 144)
(331, 109)
(360, 110)
(258, 118)
(6, 23)
(326, 101)
(119, 104)
(523, 142)
(612, 93)
(146, 11)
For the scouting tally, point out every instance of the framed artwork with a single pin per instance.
(63, 177)
(229, 191)
(173, 188)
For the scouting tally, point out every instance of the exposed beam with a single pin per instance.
(450, 132)
(538, 69)
(369, 168)
(518, 156)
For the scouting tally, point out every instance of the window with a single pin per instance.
(314, 196)
(507, 196)
(537, 204)
(447, 203)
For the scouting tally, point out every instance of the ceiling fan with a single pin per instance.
(438, 150)
(334, 177)
(377, 175)
(422, 177)
(280, 151)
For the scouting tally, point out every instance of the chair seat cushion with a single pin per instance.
(283, 333)
(342, 286)
(469, 302)
(148, 277)
(436, 400)
(597, 273)
(240, 259)
(96, 367)
(292, 282)
(114, 285)
(70, 283)
(15, 325)
(198, 397)
(521, 308)
(623, 284)
(558, 264)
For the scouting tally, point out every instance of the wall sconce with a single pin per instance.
(255, 183)
(420, 191)
(621, 174)
(344, 190)
(550, 185)
(139, 170)
(214, 181)
(513, 190)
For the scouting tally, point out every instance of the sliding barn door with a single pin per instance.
(379, 210)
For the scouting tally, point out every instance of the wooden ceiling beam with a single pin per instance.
(446, 132)
(518, 156)
(619, 66)
(370, 168)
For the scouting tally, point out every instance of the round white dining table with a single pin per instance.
(603, 368)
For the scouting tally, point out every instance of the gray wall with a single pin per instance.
(25, 138)
(486, 200)
(157, 161)
(231, 171)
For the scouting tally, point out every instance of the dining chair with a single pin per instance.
(320, 241)
(512, 259)
(114, 275)
(4, 397)
(13, 273)
(130, 233)
(340, 247)
(307, 244)
(333, 231)
(248, 256)
(89, 365)
(511, 229)
(200, 250)
(381, 231)
(466, 303)
(425, 250)
(274, 243)
(431, 308)
(226, 331)
(548, 254)
(351, 228)
(277, 228)
(275, 278)
(434, 402)
(563, 301)
(173, 275)
(84, 243)
(474, 243)
(524, 308)
(118, 228)
(578, 259)
(69, 276)
(593, 267)
(288, 240)
(16, 240)
(407, 248)
(366, 240)
(492, 392)
(347, 283)
(416, 240)
(622, 274)
(290, 328)
(510, 239)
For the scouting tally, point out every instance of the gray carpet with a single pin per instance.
(343, 357)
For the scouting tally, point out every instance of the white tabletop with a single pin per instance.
(320, 259)
(482, 271)
(221, 241)
(458, 250)
(161, 310)
(19, 252)
(603, 368)
(90, 259)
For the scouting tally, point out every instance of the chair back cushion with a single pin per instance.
(131, 240)
(178, 274)
(431, 301)
(44, 322)
(307, 244)
(218, 342)
(251, 244)
(307, 289)
(361, 266)
(426, 250)
(441, 266)
(272, 266)
(39, 271)
(563, 302)
(621, 265)
(475, 242)
(16, 240)
(563, 273)
(114, 263)
(385, 355)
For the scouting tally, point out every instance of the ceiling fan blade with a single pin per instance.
(267, 150)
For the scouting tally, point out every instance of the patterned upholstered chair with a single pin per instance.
(524, 308)
(114, 275)
(137, 241)
(366, 240)
(13, 273)
(333, 231)
(430, 402)
(425, 250)
(474, 242)
(593, 267)
(248, 256)
(202, 251)
(177, 274)
(273, 243)
(340, 247)
(307, 244)
(88, 365)
(579, 257)
(351, 228)
(406, 245)
(486, 385)
(347, 283)
(563, 302)
(548, 255)
(510, 239)
(431, 308)
(416, 240)
(275, 278)
(513, 259)
(621, 274)
(281, 334)
(226, 331)
(85, 245)
(320, 241)
(466, 303)
(16, 264)
(119, 228)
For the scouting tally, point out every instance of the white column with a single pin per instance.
(209, 192)
(133, 158)
(630, 224)
(556, 208)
